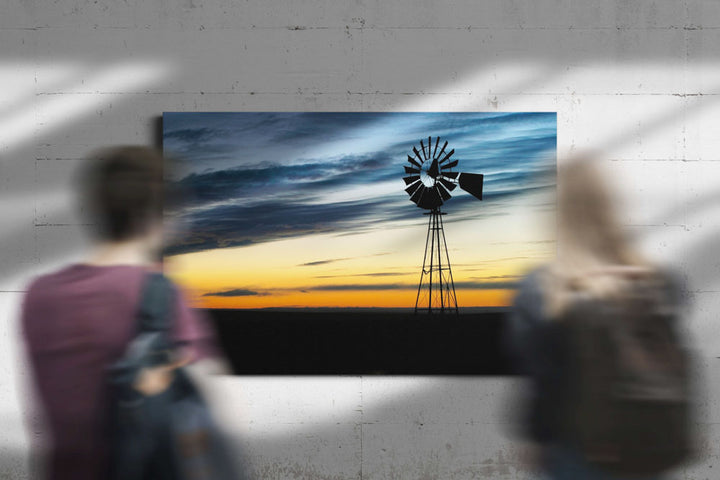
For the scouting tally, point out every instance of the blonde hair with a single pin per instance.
(595, 258)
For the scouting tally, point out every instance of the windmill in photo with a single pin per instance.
(429, 182)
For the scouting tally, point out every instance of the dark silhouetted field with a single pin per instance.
(362, 341)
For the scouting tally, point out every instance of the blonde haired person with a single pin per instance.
(598, 267)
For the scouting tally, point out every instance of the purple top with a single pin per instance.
(76, 322)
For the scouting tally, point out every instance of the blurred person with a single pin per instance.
(79, 320)
(595, 331)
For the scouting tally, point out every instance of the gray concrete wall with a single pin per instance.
(637, 80)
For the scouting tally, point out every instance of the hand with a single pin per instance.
(155, 380)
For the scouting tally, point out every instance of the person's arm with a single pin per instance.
(196, 350)
(523, 323)
(533, 342)
(196, 339)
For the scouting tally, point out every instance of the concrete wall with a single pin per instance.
(637, 80)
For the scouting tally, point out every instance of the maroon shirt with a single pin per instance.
(76, 322)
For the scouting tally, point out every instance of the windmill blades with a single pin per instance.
(417, 196)
(447, 184)
(434, 197)
(417, 154)
(472, 183)
(411, 179)
(449, 165)
(412, 160)
(443, 193)
(430, 199)
(447, 157)
(436, 163)
(413, 188)
(442, 149)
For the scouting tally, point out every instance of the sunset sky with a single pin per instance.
(309, 209)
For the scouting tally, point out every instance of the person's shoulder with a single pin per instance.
(43, 290)
(529, 294)
(658, 282)
(530, 282)
(654, 276)
(41, 282)
(673, 284)
(672, 277)
(81, 277)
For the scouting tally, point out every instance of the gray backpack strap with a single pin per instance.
(151, 344)
(155, 311)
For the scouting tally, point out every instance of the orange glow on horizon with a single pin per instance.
(378, 268)
(349, 299)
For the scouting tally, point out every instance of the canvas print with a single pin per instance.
(424, 212)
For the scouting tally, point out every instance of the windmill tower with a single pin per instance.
(429, 182)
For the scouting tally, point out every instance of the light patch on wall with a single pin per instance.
(21, 82)
(283, 405)
(46, 111)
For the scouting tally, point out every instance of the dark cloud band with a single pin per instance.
(259, 177)
(238, 292)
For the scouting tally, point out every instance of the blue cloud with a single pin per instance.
(256, 177)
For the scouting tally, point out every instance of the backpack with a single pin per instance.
(627, 405)
(171, 435)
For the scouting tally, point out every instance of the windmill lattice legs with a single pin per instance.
(436, 291)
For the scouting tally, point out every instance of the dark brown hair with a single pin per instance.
(123, 191)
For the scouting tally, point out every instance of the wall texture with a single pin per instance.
(638, 81)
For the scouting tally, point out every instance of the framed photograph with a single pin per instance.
(360, 242)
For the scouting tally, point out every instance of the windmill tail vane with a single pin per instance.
(429, 181)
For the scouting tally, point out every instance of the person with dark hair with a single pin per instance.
(79, 320)
(123, 190)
